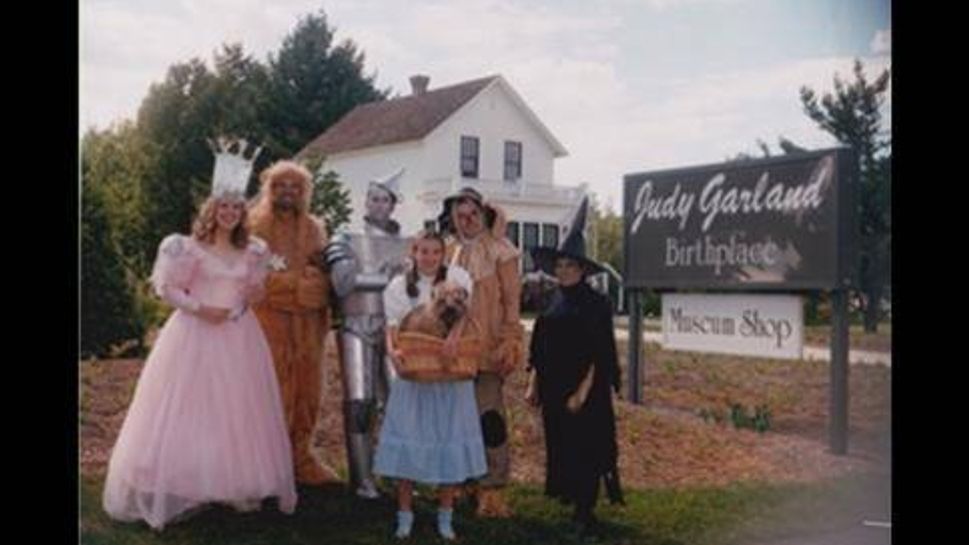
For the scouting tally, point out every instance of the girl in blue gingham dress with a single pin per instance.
(430, 433)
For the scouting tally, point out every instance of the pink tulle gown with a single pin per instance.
(206, 422)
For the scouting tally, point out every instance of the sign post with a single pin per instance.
(838, 402)
(635, 382)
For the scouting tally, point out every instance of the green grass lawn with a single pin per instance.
(734, 514)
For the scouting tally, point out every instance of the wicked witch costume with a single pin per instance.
(573, 354)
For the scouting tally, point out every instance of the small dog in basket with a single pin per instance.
(448, 304)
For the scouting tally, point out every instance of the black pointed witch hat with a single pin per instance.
(572, 247)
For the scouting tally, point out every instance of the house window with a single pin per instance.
(511, 231)
(550, 235)
(513, 160)
(469, 156)
(529, 241)
(430, 225)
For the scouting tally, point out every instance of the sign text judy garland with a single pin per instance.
(769, 223)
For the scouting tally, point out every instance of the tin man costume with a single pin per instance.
(361, 265)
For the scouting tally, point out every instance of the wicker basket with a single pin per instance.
(423, 361)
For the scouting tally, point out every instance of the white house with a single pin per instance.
(478, 133)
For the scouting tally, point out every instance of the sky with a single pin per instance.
(625, 85)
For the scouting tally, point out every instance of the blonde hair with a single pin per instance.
(203, 229)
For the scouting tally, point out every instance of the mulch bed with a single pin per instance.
(664, 444)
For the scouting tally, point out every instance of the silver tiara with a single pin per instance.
(232, 170)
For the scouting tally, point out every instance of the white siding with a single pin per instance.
(357, 168)
(492, 118)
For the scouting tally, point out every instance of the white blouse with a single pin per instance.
(397, 303)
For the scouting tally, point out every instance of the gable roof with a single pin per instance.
(411, 118)
(396, 120)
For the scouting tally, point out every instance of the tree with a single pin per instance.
(852, 115)
(242, 100)
(313, 84)
(177, 117)
(117, 160)
(241, 94)
(117, 305)
(108, 303)
(330, 200)
(606, 228)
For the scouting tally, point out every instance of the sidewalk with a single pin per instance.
(819, 353)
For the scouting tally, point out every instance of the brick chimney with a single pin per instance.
(419, 84)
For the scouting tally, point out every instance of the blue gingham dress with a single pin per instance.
(431, 432)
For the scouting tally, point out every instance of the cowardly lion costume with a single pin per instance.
(295, 311)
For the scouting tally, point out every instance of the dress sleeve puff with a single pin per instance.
(175, 266)
(396, 302)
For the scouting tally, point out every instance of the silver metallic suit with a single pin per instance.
(361, 265)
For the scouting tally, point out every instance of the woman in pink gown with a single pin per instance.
(206, 422)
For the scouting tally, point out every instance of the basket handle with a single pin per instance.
(475, 326)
